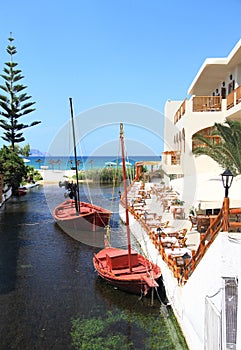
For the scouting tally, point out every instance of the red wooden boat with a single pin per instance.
(126, 269)
(22, 191)
(88, 217)
(75, 217)
(112, 264)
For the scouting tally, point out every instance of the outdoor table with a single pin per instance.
(177, 252)
(167, 239)
(204, 221)
(176, 209)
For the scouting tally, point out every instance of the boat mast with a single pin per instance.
(125, 195)
(76, 191)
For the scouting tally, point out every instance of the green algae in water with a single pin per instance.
(122, 329)
(26, 266)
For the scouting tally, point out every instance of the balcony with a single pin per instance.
(234, 97)
(180, 112)
(209, 104)
(171, 157)
(171, 162)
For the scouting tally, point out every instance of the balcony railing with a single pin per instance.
(171, 157)
(238, 94)
(207, 103)
(230, 100)
(180, 112)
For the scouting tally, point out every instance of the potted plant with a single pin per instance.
(178, 202)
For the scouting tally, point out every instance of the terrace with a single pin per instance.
(209, 104)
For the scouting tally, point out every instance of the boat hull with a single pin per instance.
(112, 265)
(22, 191)
(91, 218)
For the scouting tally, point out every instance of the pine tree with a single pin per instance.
(15, 103)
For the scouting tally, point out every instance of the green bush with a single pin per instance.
(12, 167)
(105, 175)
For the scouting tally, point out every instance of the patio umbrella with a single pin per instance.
(127, 164)
(110, 163)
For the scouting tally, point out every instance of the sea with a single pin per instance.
(84, 163)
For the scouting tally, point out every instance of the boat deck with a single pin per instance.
(135, 269)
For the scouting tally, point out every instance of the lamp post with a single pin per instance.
(159, 231)
(227, 179)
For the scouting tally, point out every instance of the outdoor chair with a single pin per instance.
(193, 220)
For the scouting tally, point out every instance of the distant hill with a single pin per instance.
(37, 153)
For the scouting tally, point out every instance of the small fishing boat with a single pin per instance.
(125, 268)
(74, 216)
(85, 216)
(22, 191)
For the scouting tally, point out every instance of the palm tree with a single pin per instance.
(227, 152)
(58, 162)
(91, 163)
(39, 161)
(52, 162)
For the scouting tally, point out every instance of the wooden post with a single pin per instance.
(226, 213)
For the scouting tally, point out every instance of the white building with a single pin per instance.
(215, 95)
(209, 304)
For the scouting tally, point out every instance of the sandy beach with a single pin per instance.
(55, 176)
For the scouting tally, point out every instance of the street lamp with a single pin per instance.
(159, 230)
(227, 179)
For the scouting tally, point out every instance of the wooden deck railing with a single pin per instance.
(234, 96)
(207, 103)
(221, 222)
(180, 112)
(238, 94)
(206, 240)
(230, 100)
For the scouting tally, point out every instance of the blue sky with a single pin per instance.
(105, 52)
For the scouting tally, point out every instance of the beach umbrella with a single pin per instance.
(110, 164)
(127, 164)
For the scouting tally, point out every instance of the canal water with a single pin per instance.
(50, 295)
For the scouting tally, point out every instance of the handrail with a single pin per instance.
(206, 240)
(207, 103)
(230, 100)
(238, 94)
(180, 112)
(209, 236)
